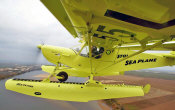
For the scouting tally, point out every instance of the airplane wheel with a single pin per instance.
(64, 75)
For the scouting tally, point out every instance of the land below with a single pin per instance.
(160, 97)
(9, 71)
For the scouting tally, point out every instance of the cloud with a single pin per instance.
(26, 23)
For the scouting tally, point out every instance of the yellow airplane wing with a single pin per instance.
(116, 22)
(58, 11)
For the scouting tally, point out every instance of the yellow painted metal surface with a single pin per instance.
(155, 19)
(110, 24)
(80, 92)
(80, 66)
(70, 71)
(56, 8)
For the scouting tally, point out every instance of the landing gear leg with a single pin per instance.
(52, 74)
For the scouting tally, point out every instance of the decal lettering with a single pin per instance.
(96, 35)
(112, 31)
(122, 55)
(26, 85)
(129, 62)
(140, 60)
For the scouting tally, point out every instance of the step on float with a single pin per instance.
(69, 91)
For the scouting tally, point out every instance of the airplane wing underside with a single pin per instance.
(116, 22)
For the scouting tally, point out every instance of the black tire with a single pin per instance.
(64, 75)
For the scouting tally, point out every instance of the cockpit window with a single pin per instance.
(85, 52)
(76, 48)
(96, 52)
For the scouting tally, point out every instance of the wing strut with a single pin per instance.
(91, 82)
(90, 51)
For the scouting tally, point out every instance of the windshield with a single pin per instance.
(96, 52)
(84, 52)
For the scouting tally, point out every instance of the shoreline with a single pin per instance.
(11, 72)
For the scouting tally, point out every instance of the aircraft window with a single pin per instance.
(85, 52)
(76, 48)
(97, 52)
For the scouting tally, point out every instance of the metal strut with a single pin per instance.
(90, 56)
(91, 81)
(53, 73)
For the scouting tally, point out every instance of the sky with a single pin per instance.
(23, 25)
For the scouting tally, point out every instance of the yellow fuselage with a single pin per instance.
(106, 65)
